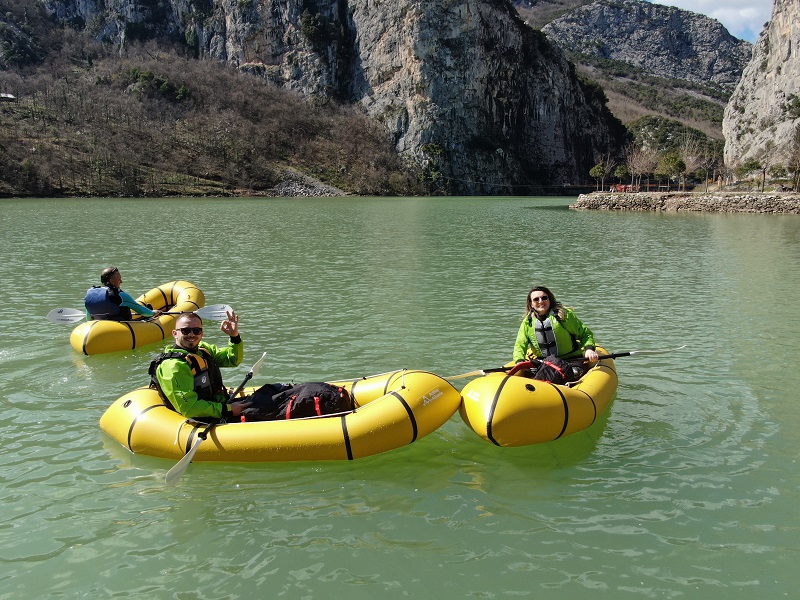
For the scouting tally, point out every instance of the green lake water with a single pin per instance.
(687, 487)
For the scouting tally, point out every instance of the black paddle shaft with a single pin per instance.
(575, 360)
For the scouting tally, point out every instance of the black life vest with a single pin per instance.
(546, 337)
(207, 376)
(104, 303)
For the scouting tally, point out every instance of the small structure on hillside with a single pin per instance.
(7, 97)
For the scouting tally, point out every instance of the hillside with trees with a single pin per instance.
(667, 74)
(151, 122)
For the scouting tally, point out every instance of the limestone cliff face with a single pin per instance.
(465, 89)
(764, 111)
(663, 41)
(471, 90)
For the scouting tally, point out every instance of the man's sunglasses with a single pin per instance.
(188, 330)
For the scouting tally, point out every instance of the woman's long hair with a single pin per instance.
(555, 305)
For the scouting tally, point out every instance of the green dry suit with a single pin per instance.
(194, 386)
(571, 337)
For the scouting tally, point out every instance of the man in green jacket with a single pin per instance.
(188, 375)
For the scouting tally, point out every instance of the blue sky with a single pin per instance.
(743, 18)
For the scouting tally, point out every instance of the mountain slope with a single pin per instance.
(469, 95)
(651, 59)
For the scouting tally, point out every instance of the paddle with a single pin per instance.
(175, 472)
(215, 312)
(582, 360)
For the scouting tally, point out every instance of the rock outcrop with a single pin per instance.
(763, 115)
(478, 101)
(662, 41)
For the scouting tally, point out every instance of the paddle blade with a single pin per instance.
(65, 315)
(215, 312)
(174, 474)
(250, 374)
(257, 367)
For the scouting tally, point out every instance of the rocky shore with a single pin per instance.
(301, 186)
(729, 202)
(299, 189)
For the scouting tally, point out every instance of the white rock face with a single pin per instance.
(661, 40)
(764, 111)
(480, 102)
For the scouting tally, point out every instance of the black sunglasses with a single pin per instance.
(188, 330)
(540, 298)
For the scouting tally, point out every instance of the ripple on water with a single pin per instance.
(685, 487)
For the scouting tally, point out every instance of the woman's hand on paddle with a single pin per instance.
(230, 325)
(590, 355)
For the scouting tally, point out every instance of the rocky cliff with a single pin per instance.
(652, 60)
(471, 95)
(664, 41)
(764, 112)
(538, 13)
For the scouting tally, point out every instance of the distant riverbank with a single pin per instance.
(730, 202)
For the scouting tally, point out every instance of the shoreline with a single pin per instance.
(288, 188)
(723, 202)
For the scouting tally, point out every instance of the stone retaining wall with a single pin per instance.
(730, 202)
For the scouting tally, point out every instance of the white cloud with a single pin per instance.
(742, 18)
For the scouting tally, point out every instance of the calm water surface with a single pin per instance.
(687, 487)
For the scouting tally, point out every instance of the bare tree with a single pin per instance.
(712, 162)
(605, 168)
(642, 160)
(793, 159)
(691, 151)
(768, 160)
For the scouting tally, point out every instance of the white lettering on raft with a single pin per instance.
(431, 396)
(474, 396)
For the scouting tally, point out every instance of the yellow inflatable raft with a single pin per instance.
(511, 410)
(393, 409)
(98, 337)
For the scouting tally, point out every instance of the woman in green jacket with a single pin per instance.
(551, 329)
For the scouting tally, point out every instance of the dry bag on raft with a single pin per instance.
(555, 370)
(312, 399)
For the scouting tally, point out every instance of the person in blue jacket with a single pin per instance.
(107, 301)
(551, 329)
